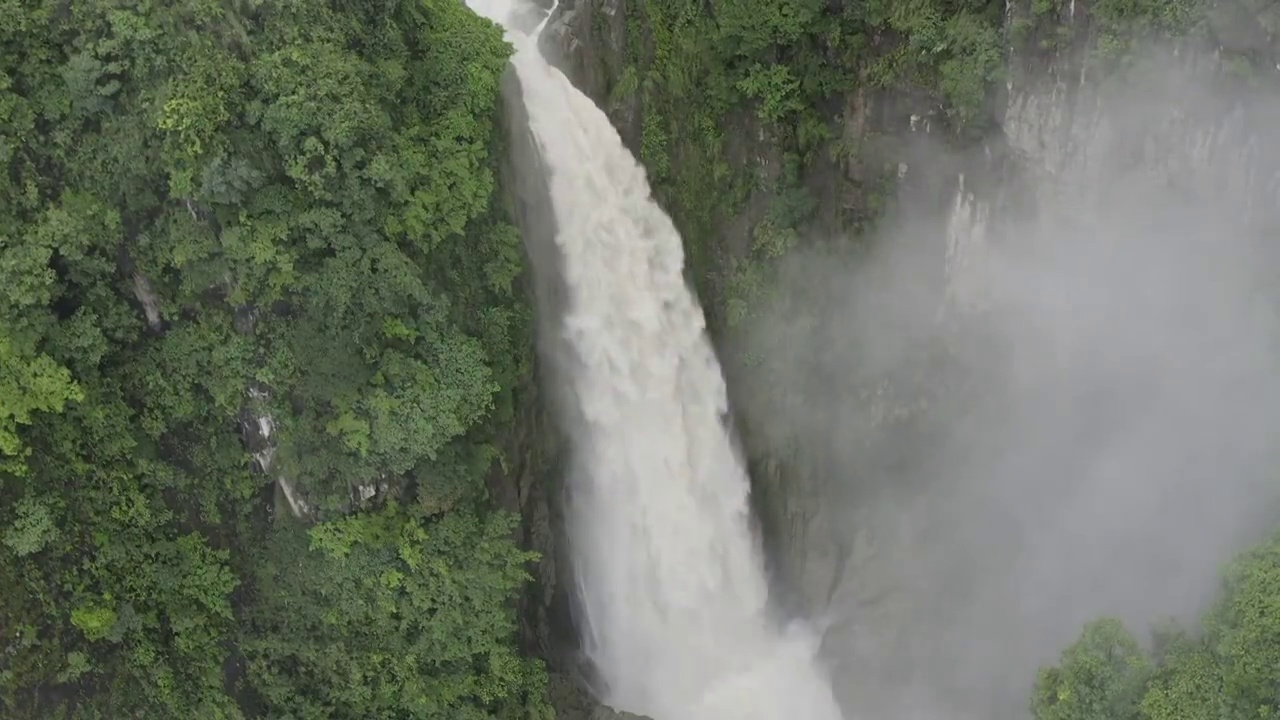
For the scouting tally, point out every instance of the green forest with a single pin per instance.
(1228, 668)
(253, 250)
(215, 211)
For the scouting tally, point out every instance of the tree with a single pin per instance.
(387, 616)
(1099, 677)
(1228, 669)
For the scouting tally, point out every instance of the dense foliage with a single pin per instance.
(1228, 669)
(254, 220)
(742, 102)
(409, 620)
(701, 74)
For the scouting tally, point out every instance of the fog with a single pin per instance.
(1090, 432)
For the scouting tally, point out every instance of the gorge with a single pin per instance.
(875, 360)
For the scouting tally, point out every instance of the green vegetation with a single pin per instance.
(1228, 669)
(744, 98)
(777, 69)
(1121, 24)
(218, 210)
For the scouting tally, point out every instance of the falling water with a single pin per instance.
(672, 584)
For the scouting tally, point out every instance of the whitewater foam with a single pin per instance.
(672, 583)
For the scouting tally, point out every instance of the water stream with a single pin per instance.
(671, 581)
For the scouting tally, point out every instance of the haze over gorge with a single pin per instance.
(658, 359)
(1048, 400)
(1078, 423)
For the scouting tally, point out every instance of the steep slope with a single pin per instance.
(856, 184)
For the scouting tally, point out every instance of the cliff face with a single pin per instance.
(1059, 125)
(870, 155)
(1082, 122)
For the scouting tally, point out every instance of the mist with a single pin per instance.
(1077, 420)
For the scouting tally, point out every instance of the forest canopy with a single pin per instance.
(1228, 668)
(242, 242)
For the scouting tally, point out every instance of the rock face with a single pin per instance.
(1070, 140)
(1060, 127)
(587, 40)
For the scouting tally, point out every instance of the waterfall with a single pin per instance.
(671, 582)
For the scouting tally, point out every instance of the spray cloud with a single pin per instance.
(1078, 422)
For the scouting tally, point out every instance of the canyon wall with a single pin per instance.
(915, 216)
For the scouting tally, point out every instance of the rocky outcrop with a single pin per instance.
(587, 40)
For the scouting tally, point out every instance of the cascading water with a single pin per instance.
(672, 584)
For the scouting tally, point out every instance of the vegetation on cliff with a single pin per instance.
(792, 63)
(794, 81)
(787, 79)
(231, 219)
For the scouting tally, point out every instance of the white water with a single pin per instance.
(671, 581)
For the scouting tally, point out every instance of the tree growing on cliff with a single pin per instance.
(384, 615)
